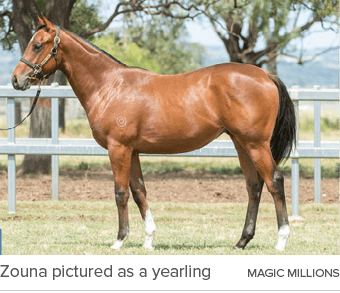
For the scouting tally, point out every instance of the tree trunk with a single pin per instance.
(272, 66)
(40, 122)
(40, 127)
(17, 112)
(21, 24)
(60, 78)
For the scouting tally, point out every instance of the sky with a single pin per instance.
(202, 32)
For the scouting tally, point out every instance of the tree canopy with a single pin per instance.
(166, 41)
(244, 25)
(126, 52)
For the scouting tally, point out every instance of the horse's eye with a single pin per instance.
(37, 47)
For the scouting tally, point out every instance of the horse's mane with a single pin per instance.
(94, 46)
(102, 51)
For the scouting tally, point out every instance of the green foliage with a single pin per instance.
(84, 17)
(7, 36)
(41, 4)
(226, 170)
(78, 128)
(83, 166)
(3, 167)
(128, 53)
(161, 167)
(165, 40)
(177, 57)
(306, 123)
(329, 123)
(276, 23)
(330, 171)
(324, 9)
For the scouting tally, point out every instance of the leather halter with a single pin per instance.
(38, 71)
(38, 67)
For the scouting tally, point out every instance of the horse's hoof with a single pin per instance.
(118, 244)
(279, 248)
(235, 247)
(115, 247)
(148, 247)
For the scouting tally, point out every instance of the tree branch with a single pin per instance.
(162, 8)
(301, 61)
(5, 13)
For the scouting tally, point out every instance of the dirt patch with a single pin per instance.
(184, 186)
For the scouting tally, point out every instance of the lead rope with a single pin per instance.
(32, 108)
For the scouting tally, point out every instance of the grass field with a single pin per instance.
(79, 228)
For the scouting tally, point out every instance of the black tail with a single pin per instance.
(283, 137)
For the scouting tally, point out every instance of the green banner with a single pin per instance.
(171, 273)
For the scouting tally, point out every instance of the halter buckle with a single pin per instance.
(37, 70)
(56, 40)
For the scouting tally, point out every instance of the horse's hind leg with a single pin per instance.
(254, 187)
(261, 155)
(139, 195)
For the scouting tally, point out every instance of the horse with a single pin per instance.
(132, 110)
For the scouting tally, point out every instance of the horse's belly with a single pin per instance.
(179, 143)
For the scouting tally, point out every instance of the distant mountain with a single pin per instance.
(323, 71)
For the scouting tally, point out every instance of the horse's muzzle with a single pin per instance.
(21, 85)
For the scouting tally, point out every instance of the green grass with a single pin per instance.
(160, 164)
(78, 227)
(228, 166)
(329, 125)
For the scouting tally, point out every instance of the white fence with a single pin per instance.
(54, 146)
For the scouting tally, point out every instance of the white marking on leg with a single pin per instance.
(141, 181)
(284, 232)
(119, 243)
(150, 229)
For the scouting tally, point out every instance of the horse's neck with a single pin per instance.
(86, 68)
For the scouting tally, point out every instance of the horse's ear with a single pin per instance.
(40, 19)
(43, 21)
(49, 25)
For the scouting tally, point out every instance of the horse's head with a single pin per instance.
(36, 62)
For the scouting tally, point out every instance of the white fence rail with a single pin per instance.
(12, 146)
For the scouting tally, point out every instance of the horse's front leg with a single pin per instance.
(120, 158)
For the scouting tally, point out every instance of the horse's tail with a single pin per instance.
(283, 137)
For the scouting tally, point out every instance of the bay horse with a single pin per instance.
(132, 111)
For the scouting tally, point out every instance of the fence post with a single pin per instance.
(295, 158)
(55, 140)
(317, 144)
(11, 158)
